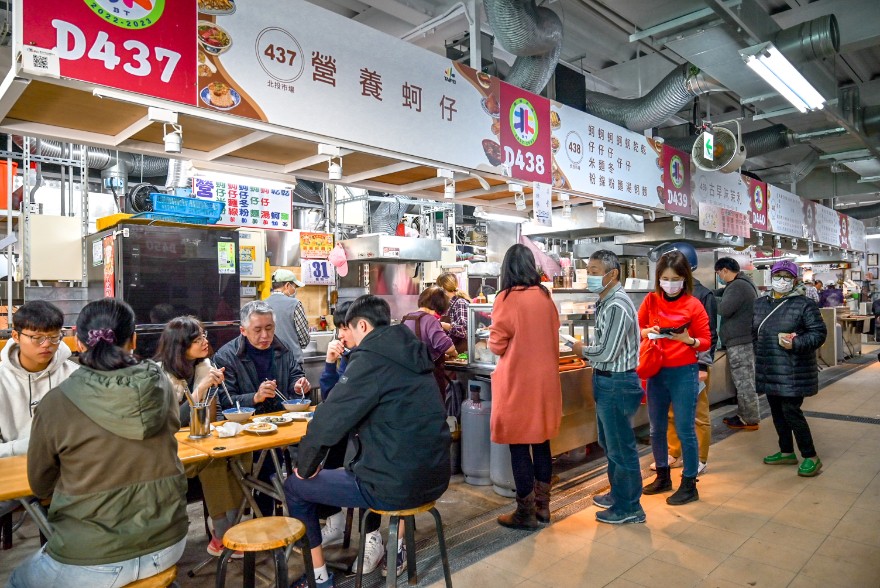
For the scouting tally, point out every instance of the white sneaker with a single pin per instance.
(333, 530)
(702, 467)
(674, 462)
(374, 551)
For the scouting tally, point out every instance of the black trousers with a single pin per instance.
(530, 463)
(789, 419)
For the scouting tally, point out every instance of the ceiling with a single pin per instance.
(624, 49)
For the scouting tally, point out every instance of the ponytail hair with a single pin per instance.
(449, 282)
(103, 327)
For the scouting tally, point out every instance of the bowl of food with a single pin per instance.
(213, 38)
(239, 415)
(297, 404)
(260, 428)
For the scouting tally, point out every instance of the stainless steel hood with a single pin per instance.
(390, 249)
(664, 231)
(584, 222)
(584, 249)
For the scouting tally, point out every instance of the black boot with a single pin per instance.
(662, 483)
(524, 515)
(542, 501)
(687, 492)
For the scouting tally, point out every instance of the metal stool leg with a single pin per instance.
(6, 530)
(221, 567)
(250, 570)
(361, 551)
(346, 535)
(280, 568)
(307, 562)
(409, 539)
(441, 543)
(391, 553)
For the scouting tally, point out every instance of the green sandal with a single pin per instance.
(810, 467)
(780, 458)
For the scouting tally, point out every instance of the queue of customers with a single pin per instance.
(380, 439)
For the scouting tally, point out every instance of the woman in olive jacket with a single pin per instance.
(787, 329)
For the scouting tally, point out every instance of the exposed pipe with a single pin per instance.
(756, 143)
(533, 34)
(864, 212)
(665, 100)
(815, 39)
(101, 159)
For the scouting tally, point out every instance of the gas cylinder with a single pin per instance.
(475, 413)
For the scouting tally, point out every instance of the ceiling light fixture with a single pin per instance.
(334, 169)
(769, 63)
(173, 138)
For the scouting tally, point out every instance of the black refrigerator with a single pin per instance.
(169, 271)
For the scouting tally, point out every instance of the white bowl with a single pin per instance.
(297, 405)
(233, 414)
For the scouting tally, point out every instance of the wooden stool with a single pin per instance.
(265, 534)
(160, 580)
(409, 518)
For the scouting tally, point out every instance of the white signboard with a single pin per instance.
(542, 202)
(594, 156)
(856, 234)
(827, 226)
(304, 67)
(253, 204)
(318, 272)
(785, 215)
(726, 191)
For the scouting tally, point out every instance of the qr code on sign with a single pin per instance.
(41, 62)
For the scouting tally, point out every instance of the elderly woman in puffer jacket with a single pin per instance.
(787, 329)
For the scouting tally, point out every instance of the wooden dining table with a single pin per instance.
(14, 483)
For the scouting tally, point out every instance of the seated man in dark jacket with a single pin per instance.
(257, 364)
(388, 398)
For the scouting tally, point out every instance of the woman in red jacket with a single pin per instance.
(671, 307)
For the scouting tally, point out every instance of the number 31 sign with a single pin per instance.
(318, 272)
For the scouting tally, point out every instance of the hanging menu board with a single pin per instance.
(596, 157)
(253, 205)
(722, 220)
(727, 191)
(785, 213)
(856, 231)
(827, 226)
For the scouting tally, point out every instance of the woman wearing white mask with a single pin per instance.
(787, 328)
(679, 322)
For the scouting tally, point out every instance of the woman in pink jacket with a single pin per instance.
(526, 394)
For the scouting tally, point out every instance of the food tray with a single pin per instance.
(170, 217)
(211, 209)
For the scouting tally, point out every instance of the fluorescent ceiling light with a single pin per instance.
(480, 212)
(766, 60)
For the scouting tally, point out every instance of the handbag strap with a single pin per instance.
(758, 333)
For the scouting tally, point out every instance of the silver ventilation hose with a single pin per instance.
(757, 142)
(533, 34)
(663, 101)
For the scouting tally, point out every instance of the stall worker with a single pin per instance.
(673, 308)
(616, 389)
(183, 352)
(291, 324)
(425, 323)
(736, 307)
(257, 363)
(103, 449)
(703, 422)
(788, 329)
(388, 401)
(456, 322)
(526, 392)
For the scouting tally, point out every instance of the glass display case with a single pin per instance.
(479, 321)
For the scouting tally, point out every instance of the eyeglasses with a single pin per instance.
(201, 335)
(41, 339)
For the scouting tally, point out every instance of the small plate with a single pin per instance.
(487, 111)
(261, 428)
(301, 416)
(279, 420)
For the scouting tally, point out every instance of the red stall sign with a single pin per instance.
(758, 199)
(844, 231)
(676, 180)
(525, 134)
(143, 46)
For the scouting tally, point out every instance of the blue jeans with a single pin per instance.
(618, 397)
(337, 487)
(41, 571)
(678, 386)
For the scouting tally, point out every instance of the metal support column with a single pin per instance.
(9, 255)
(84, 210)
(26, 212)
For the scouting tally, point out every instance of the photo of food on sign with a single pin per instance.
(490, 102)
(213, 38)
(216, 7)
(220, 96)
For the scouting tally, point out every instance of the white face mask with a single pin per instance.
(782, 285)
(672, 287)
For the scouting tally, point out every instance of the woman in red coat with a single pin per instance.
(526, 394)
(685, 331)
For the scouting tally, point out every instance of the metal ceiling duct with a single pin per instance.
(533, 34)
(101, 159)
(657, 106)
(756, 143)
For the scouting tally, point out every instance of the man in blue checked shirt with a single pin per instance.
(616, 389)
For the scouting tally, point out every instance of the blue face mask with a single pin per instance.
(594, 283)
